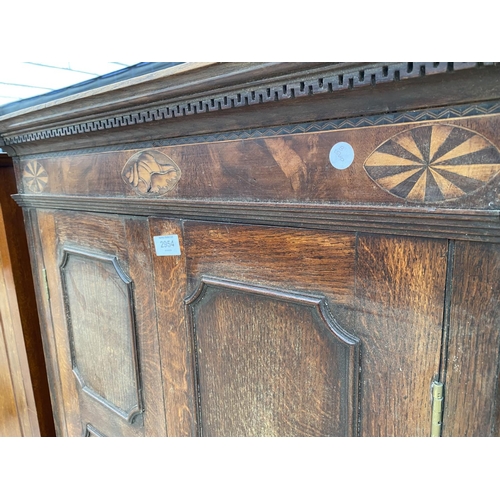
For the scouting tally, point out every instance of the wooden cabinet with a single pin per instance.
(269, 250)
(25, 408)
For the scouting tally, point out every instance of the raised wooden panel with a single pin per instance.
(472, 392)
(94, 242)
(101, 326)
(91, 431)
(271, 363)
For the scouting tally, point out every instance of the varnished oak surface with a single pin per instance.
(271, 363)
(108, 237)
(387, 291)
(9, 421)
(306, 300)
(175, 347)
(254, 330)
(474, 347)
(398, 315)
(105, 326)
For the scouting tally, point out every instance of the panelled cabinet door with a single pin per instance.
(298, 332)
(250, 331)
(270, 363)
(103, 314)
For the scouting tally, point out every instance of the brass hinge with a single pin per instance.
(46, 284)
(437, 389)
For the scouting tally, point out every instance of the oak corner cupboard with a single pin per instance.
(268, 249)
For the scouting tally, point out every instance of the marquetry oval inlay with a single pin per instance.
(151, 172)
(35, 177)
(433, 163)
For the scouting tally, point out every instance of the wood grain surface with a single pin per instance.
(471, 398)
(10, 424)
(271, 363)
(306, 299)
(398, 314)
(175, 348)
(101, 328)
(303, 260)
(141, 273)
(38, 224)
(387, 291)
(25, 409)
(107, 236)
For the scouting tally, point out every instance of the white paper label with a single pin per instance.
(167, 245)
(341, 155)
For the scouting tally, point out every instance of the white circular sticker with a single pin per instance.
(341, 155)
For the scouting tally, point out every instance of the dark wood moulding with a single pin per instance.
(197, 98)
(477, 225)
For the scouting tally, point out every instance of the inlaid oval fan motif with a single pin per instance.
(433, 163)
(151, 172)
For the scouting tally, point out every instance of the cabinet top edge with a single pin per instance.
(195, 91)
(151, 88)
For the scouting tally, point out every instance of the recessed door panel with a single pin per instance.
(101, 325)
(270, 363)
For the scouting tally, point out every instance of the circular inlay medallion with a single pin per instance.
(35, 177)
(433, 163)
